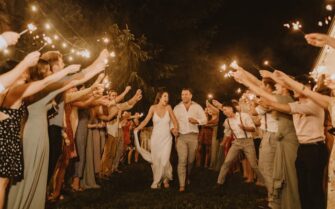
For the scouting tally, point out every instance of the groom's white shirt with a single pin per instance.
(195, 111)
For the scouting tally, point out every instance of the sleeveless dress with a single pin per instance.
(11, 154)
(30, 193)
(161, 144)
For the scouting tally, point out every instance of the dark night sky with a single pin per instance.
(221, 30)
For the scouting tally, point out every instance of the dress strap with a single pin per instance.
(3, 100)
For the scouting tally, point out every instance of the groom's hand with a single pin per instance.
(193, 121)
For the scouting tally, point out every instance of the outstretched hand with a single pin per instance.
(317, 39)
(31, 59)
(265, 73)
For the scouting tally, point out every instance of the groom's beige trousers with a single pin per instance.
(186, 146)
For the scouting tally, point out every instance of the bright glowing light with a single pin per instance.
(30, 27)
(47, 26)
(223, 67)
(329, 18)
(56, 37)
(64, 45)
(6, 51)
(70, 58)
(73, 51)
(106, 40)
(296, 25)
(210, 96)
(112, 54)
(48, 40)
(234, 65)
(320, 23)
(329, 7)
(85, 53)
(239, 90)
(266, 62)
(53, 46)
(287, 25)
(33, 8)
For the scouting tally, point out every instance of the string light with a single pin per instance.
(33, 8)
(64, 45)
(47, 26)
(329, 7)
(320, 23)
(112, 54)
(106, 40)
(56, 37)
(210, 96)
(70, 58)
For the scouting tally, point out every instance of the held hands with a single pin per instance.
(175, 132)
(31, 59)
(11, 37)
(317, 39)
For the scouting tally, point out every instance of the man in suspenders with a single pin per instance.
(240, 126)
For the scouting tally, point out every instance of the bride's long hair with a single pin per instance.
(159, 96)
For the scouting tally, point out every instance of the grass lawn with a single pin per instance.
(131, 189)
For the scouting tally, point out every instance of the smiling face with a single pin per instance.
(186, 96)
(164, 100)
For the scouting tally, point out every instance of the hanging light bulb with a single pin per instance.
(33, 8)
(64, 45)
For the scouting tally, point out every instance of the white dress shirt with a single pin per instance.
(195, 111)
(233, 127)
(268, 122)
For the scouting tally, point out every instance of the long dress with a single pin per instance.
(31, 191)
(11, 156)
(88, 180)
(161, 144)
(284, 171)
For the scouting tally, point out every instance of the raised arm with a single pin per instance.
(36, 86)
(10, 77)
(146, 120)
(254, 88)
(322, 100)
(74, 96)
(281, 107)
(250, 76)
(120, 97)
(320, 40)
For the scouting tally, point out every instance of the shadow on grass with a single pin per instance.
(131, 189)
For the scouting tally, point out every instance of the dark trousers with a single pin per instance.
(310, 165)
(55, 145)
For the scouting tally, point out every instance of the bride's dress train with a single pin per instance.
(161, 144)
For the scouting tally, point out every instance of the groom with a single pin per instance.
(189, 115)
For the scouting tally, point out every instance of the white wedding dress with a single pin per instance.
(161, 144)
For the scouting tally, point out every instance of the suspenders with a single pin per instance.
(245, 133)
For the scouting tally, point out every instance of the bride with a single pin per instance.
(161, 139)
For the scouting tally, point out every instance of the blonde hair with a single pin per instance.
(52, 57)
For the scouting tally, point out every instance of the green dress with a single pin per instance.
(30, 193)
(284, 172)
